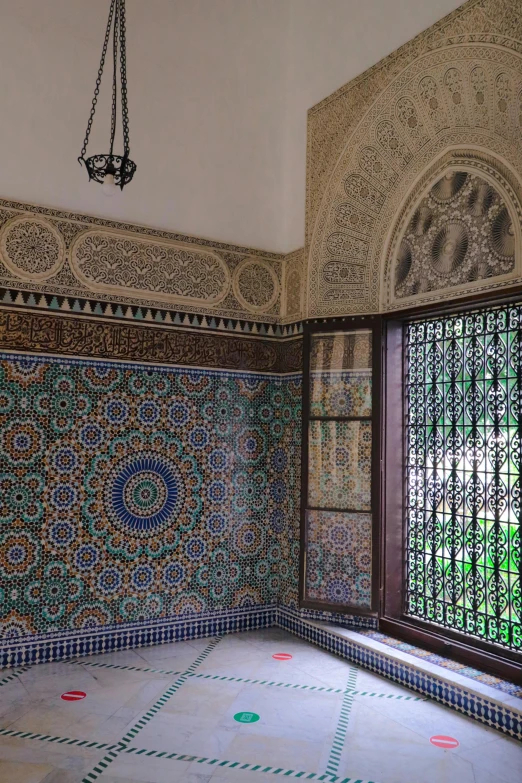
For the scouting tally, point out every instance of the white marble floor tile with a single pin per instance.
(484, 776)
(114, 677)
(287, 672)
(276, 751)
(230, 665)
(202, 699)
(63, 776)
(387, 740)
(88, 718)
(502, 757)
(227, 775)
(122, 658)
(186, 734)
(161, 652)
(176, 663)
(432, 719)
(129, 767)
(285, 714)
(11, 692)
(17, 772)
(379, 748)
(56, 680)
(69, 757)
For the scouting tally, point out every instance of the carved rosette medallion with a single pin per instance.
(256, 285)
(31, 248)
(121, 264)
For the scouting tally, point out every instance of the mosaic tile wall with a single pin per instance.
(98, 459)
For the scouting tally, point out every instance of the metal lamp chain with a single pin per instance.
(98, 80)
(123, 73)
(114, 80)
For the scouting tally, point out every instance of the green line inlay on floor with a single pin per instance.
(250, 681)
(342, 726)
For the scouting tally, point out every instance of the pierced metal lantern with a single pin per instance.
(108, 169)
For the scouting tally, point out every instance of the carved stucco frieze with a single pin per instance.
(119, 264)
(464, 99)
(50, 251)
(94, 338)
(256, 285)
(294, 286)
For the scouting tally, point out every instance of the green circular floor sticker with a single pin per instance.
(246, 717)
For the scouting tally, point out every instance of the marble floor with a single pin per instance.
(227, 710)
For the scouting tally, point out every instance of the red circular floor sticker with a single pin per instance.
(282, 656)
(441, 741)
(73, 695)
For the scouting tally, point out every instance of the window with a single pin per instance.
(339, 567)
(463, 395)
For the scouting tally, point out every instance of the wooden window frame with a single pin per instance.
(392, 619)
(374, 323)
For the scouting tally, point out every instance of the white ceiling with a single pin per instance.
(218, 94)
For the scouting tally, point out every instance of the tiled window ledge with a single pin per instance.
(468, 696)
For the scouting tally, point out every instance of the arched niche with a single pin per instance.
(462, 102)
(458, 232)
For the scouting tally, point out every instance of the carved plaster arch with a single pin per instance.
(460, 96)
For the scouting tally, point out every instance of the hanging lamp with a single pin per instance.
(110, 170)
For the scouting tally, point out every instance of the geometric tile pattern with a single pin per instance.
(341, 393)
(63, 645)
(159, 315)
(132, 493)
(510, 688)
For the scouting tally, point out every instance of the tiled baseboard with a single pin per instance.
(344, 620)
(467, 696)
(62, 646)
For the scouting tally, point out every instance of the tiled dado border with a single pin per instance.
(120, 311)
(60, 646)
(462, 694)
(467, 696)
(98, 338)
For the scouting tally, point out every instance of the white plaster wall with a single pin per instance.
(206, 102)
(218, 95)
